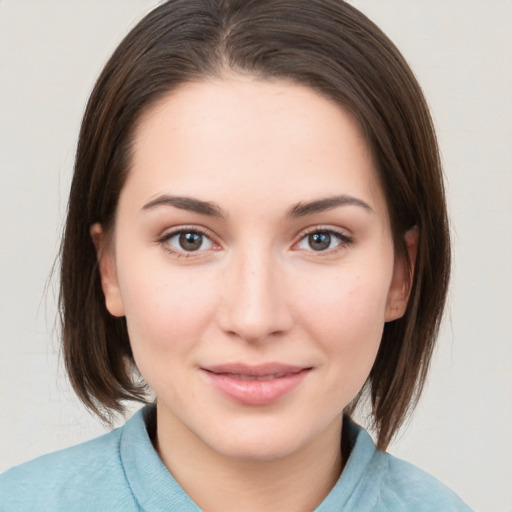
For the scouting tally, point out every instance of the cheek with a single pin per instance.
(344, 305)
(166, 313)
(346, 317)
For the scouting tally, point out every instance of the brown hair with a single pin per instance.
(324, 44)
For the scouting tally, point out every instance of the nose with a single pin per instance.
(254, 303)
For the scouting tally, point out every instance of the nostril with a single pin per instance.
(253, 306)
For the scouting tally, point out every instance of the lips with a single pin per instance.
(255, 377)
(255, 384)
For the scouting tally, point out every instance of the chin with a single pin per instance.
(260, 448)
(264, 439)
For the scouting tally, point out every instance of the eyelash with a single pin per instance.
(344, 240)
(164, 241)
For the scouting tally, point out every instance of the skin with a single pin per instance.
(255, 291)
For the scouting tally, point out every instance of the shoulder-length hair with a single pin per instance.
(326, 45)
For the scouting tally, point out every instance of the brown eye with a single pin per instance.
(187, 241)
(190, 241)
(319, 241)
(323, 240)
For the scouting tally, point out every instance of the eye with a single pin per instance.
(187, 240)
(322, 241)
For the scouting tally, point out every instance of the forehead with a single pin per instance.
(251, 137)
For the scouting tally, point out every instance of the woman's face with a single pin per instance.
(253, 259)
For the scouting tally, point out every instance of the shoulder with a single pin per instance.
(72, 479)
(380, 482)
(406, 487)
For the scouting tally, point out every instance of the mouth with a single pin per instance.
(241, 376)
(255, 384)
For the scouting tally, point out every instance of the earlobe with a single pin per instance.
(107, 269)
(402, 279)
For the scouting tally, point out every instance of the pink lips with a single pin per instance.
(258, 384)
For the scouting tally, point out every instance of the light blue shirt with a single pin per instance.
(121, 471)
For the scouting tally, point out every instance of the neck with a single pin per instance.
(296, 482)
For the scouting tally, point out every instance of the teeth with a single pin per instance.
(255, 377)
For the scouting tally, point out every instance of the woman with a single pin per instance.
(257, 233)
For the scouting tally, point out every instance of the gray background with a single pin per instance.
(461, 50)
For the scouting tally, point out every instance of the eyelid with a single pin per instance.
(344, 237)
(171, 232)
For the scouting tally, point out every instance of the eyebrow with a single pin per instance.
(327, 203)
(186, 203)
(299, 210)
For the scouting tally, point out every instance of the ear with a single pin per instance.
(107, 268)
(401, 282)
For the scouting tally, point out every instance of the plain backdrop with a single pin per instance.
(51, 51)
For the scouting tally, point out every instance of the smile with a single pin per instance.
(255, 385)
(254, 377)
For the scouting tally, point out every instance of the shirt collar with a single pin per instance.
(155, 489)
